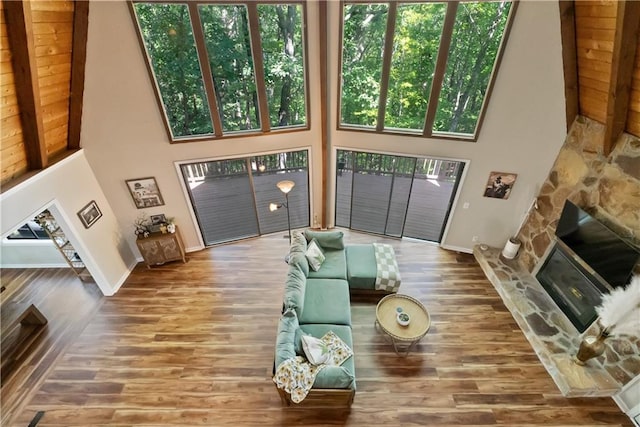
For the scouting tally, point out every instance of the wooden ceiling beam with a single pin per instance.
(20, 32)
(78, 60)
(622, 63)
(569, 60)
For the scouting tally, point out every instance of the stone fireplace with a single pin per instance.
(608, 188)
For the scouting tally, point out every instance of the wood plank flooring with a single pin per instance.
(192, 344)
(67, 303)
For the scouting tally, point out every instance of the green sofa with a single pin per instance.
(321, 301)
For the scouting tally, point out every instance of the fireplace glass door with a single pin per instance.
(571, 287)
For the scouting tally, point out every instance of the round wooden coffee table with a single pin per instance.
(406, 336)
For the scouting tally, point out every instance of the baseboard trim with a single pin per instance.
(457, 249)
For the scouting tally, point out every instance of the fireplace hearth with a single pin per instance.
(553, 336)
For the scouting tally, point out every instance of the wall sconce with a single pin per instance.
(285, 187)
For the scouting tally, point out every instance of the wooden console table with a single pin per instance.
(159, 248)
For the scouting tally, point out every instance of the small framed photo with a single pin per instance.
(499, 185)
(145, 192)
(89, 214)
(158, 219)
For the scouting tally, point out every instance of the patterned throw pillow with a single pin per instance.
(314, 255)
(315, 349)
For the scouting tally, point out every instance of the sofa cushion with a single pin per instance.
(334, 376)
(294, 289)
(326, 301)
(298, 242)
(315, 255)
(327, 239)
(299, 260)
(333, 267)
(287, 326)
(361, 266)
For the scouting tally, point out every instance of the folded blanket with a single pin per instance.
(296, 375)
(387, 274)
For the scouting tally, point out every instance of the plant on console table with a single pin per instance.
(142, 225)
(619, 315)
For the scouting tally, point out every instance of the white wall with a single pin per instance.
(124, 136)
(64, 189)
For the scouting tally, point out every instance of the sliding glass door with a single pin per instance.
(395, 195)
(231, 197)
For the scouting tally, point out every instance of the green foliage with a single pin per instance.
(168, 36)
(228, 44)
(475, 42)
(281, 37)
(477, 35)
(415, 50)
(169, 40)
(362, 50)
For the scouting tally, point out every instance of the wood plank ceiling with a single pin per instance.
(41, 84)
(41, 105)
(602, 65)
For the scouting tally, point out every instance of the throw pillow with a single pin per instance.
(315, 349)
(314, 255)
(338, 350)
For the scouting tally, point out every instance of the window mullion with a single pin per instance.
(205, 66)
(258, 66)
(441, 66)
(386, 64)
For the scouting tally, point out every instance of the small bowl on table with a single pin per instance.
(403, 318)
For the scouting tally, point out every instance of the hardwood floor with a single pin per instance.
(192, 344)
(67, 303)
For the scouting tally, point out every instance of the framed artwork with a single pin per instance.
(145, 192)
(158, 219)
(89, 214)
(499, 185)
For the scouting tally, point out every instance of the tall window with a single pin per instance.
(226, 68)
(421, 68)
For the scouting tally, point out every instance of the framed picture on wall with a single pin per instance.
(89, 214)
(499, 185)
(145, 192)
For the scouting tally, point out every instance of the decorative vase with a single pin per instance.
(171, 227)
(511, 248)
(590, 347)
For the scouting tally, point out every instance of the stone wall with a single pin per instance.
(607, 188)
